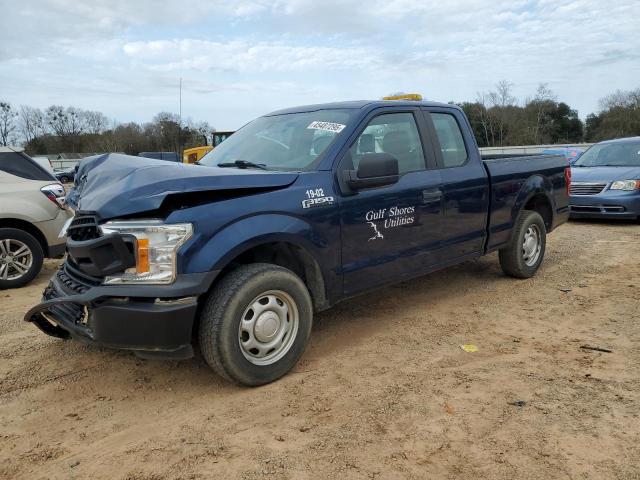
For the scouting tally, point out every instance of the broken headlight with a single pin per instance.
(156, 246)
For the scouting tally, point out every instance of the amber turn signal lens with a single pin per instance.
(142, 255)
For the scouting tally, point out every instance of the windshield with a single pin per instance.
(290, 141)
(622, 154)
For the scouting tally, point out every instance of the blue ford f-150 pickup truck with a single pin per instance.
(296, 211)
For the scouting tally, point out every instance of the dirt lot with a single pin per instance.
(383, 391)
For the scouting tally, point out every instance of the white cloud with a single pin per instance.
(242, 58)
(245, 57)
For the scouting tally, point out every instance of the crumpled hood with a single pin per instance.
(114, 185)
(604, 174)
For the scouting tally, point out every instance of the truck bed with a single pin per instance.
(517, 179)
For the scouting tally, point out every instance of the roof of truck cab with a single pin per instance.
(358, 104)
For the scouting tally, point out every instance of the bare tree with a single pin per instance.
(487, 127)
(57, 120)
(96, 122)
(76, 121)
(66, 122)
(7, 123)
(544, 99)
(621, 99)
(199, 133)
(620, 114)
(501, 100)
(32, 123)
(503, 94)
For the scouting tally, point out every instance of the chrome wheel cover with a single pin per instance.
(268, 327)
(16, 259)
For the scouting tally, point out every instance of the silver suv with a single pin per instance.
(32, 216)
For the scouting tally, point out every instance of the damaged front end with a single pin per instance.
(106, 291)
(120, 285)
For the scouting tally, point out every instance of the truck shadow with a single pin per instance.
(347, 325)
(355, 320)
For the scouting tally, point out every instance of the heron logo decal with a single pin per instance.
(377, 234)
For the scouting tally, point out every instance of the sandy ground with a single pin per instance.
(383, 391)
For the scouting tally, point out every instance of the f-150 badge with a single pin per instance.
(316, 198)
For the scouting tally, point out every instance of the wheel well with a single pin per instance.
(540, 203)
(29, 228)
(289, 256)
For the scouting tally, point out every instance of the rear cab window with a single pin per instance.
(452, 147)
(22, 166)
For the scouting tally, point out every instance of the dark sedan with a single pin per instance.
(67, 175)
(606, 180)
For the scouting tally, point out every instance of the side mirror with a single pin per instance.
(374, 170)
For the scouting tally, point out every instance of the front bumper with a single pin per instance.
(610, 204)
(148, 319)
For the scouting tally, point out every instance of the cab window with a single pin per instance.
(395, 134)
(454, 153)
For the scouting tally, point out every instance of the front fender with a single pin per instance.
(215, 252)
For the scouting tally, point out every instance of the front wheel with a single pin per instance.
(256, 323)
(523, 256)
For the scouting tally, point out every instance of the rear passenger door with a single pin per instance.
(465, 184)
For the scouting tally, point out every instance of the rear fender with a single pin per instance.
(502, 221)
(535, 185)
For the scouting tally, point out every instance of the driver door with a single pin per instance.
(393, 232)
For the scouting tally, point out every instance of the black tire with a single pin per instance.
(8, 234)
(64, 180)
(512, 257)
(223, 311)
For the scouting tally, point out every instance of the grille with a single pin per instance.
(596, 208)
(71, 282)
(578, 188)
(75, 279)
(65, 311)
(83, 227)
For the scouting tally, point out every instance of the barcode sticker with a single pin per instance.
(327, 126)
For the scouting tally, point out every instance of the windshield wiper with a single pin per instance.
(243, 164)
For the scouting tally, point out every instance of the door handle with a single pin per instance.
(431, 195)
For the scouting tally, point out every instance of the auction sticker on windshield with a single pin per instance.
(327, 126)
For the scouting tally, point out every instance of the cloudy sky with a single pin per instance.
(244, 58)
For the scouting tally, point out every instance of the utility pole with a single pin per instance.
(180, 122)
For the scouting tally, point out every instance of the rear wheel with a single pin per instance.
(256, 323)
(21, 257)
(64, 179)
(523, 256)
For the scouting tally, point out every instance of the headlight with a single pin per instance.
(625, 185)
(156, 246)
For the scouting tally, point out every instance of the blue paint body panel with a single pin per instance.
(361, 240)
